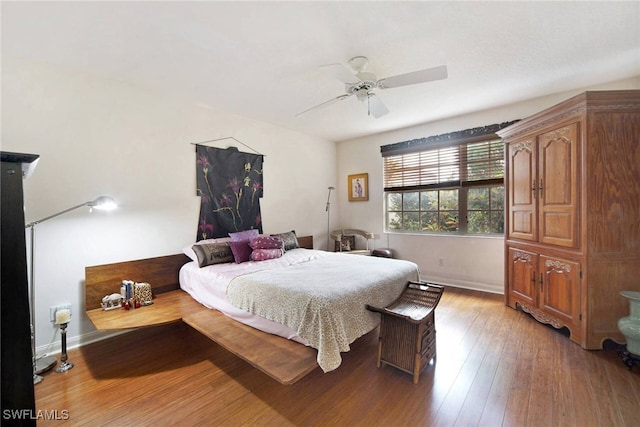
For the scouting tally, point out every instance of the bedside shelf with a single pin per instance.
(167, 307)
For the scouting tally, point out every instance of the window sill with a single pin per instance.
(474, 236)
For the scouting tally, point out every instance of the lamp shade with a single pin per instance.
(103, 203)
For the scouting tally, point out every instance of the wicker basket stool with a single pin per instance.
(407, 339)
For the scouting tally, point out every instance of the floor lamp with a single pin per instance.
(328, 214)
(43, 364)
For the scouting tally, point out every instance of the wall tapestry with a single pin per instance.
(229, 184)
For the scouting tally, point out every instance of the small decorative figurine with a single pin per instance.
(112, 302)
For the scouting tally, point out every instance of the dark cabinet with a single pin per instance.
(18, 400)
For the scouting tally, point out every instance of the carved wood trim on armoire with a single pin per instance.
(572, 233)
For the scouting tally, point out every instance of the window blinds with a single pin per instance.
(459, 164)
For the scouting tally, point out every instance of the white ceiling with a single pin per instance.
(261, 59)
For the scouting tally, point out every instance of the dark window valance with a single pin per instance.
(444, 140)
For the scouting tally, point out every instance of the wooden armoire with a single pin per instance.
(572, 220)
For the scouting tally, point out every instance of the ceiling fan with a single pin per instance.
(362, 84)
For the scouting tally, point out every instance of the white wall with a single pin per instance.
(468, 262)
(98, 137)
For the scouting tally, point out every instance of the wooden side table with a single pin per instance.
(407, 339)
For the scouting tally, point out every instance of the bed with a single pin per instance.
(314, 297)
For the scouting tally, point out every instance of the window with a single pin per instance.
(451, 183)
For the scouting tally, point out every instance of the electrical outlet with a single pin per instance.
(52, 310)
(441, 262)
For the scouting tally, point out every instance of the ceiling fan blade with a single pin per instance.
(341, 72)
(422, 76)
(376, 108)
(324, 104)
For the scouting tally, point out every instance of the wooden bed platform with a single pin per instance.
(284, 360)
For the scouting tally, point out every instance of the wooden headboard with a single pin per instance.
(306, 242)
(161, 272)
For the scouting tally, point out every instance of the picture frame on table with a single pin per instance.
(358, 185)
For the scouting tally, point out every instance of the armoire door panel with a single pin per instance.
(560, 290)
(522, 224)
(558, 186)
(557, 226)
(522, 275)
(522, 190)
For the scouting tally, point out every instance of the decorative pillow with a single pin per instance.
(290, 240)
(347, 243)
(213, 253)
(244, 235)
(241, 251)
(188, 250)
(267, 242)
(265, 254)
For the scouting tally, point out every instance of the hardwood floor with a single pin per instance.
(495, 366)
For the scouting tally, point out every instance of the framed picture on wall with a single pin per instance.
(358, 187)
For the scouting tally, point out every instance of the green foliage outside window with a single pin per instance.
(439, 210)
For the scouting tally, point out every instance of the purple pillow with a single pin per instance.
(265, 254)
(241, 251)
(244, 235)
(267, 242)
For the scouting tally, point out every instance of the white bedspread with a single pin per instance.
(208, 286)
(323, 299)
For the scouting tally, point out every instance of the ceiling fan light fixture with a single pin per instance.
(362, 94)
(359, 63)
(375, 106)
